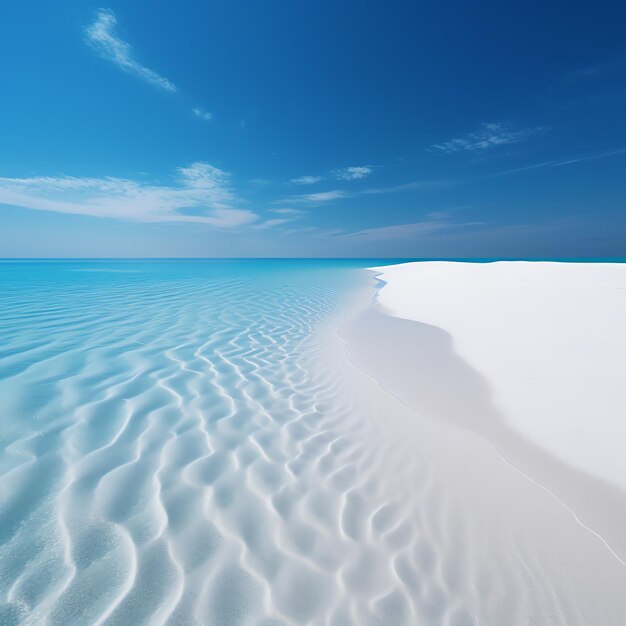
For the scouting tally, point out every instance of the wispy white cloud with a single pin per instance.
(346, 173)
(434, 223)
(259, 181)
(272, 222)
(414, 184)
(102, 37)
(487, 136)
(200, 193)
(556, 163)
(398, 231)
(285, 216)
(202, 114)
(292, 212)
(306, 180)
(315, 231)
(323, 197)
(316, 198)
(354, 173)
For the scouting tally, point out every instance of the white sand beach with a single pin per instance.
(549, 339)
(499, 387)
(530, 356)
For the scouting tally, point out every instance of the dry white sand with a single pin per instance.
(495, 529)
(548, 338)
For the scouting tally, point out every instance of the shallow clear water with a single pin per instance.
(161, 425)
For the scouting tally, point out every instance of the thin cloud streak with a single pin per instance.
(316, 198)
(488, 136)
(416, 184)
(338, 194)
(292, 212)
(306, 180)
(201, 194)
(407, 231)
(102, 38)
(345, 173)
(397, 231)
(535, 166)
(271, 223)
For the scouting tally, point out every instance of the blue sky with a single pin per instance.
(333, 128)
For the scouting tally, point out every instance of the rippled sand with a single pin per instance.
(190, 445)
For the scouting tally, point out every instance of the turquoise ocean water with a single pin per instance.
(153, 417)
